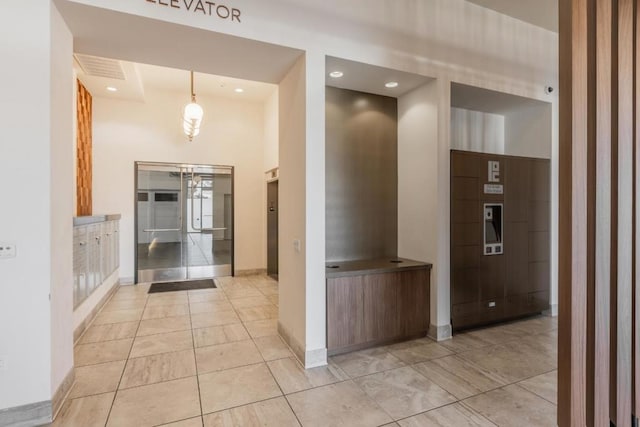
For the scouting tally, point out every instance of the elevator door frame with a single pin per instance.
(218, 271)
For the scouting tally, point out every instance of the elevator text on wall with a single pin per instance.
(207, 8)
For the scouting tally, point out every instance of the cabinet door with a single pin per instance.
(413, 302)
(345, 312)
(381, 306)
(80, 266)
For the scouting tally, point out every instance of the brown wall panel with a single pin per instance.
(84, 152)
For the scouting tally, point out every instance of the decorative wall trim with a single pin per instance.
(309, 359)
(84, 325)
(84, 152)
(33, 414)
(440, 333)
(63, 391)
(254, 272)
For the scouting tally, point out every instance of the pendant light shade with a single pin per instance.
(192, 116)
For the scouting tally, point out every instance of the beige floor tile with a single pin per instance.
(535, 325)
(367, 362)
(110, 332)
(191, 422)
(268, 290)
(156, 404)
(260, 312)
(262, 328)
(218, 295)
(292, 377)
(160, 311)
(250, 302)
(210, 306)
(216, 335)
(545, 386)
(164, 325)
(169, 298)
(269, 413)
(342, 404)
(226, 356)
(513, 406)
(273, 299)
(242, 292)
(510, 363)
(403, 345)
(118, 316)
(272, 348)
(404, 392)
(102, 352)
(161, 343)
(421, 353)
(89, 411)
(464, 342)
(236, 387)
(97, 379)
(219, 318)
(125, 304)
(495, 334)
(158, 368)
(458, 377)
(456, 415)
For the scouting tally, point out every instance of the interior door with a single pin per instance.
(272, 229)
(184, 222)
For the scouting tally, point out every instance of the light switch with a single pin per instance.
(7, 250)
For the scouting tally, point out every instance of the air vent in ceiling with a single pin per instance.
(101, 67)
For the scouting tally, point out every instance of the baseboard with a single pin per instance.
(84, 325)
(440, 333)
(552, 311)
(308, 358)
(254, 272)
(33, 414)
(62, 392)
(126, 281)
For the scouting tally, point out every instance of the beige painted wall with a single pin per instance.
(233, 133)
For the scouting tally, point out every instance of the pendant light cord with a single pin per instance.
(193, 93)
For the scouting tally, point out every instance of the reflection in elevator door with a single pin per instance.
(272, 229)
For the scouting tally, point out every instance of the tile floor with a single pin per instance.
(213, 358)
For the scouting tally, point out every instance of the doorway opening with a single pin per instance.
(184, 221)
(272, 229)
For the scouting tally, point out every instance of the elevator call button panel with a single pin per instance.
(493, 238)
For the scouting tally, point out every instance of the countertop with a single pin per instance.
(94, 219)
(372, 266)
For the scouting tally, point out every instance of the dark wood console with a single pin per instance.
(376, 302)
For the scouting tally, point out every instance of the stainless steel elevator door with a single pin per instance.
(184, 222)
(272, 229)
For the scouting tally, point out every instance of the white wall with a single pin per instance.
(27, 116)
(62, 200)
(232, 134)
(418, 180)
(529, 131)
(271, 132)
(292, 211)
(477, 131)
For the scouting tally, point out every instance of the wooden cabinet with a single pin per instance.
(372, 309)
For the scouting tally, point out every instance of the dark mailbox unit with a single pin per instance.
(500, 237)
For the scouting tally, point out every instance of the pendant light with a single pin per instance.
(192, 116)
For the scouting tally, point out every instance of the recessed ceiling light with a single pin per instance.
(391, 85)
(336, 74)
(239, 90)
(112, 89)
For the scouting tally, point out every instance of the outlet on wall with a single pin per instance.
(7, 250)
(296, 245)
(3, 363)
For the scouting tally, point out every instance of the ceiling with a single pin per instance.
(106, 33)
(370, 78)
(141, 77)
(489, 101)
(543, 13)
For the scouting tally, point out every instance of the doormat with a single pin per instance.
(189, 285)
